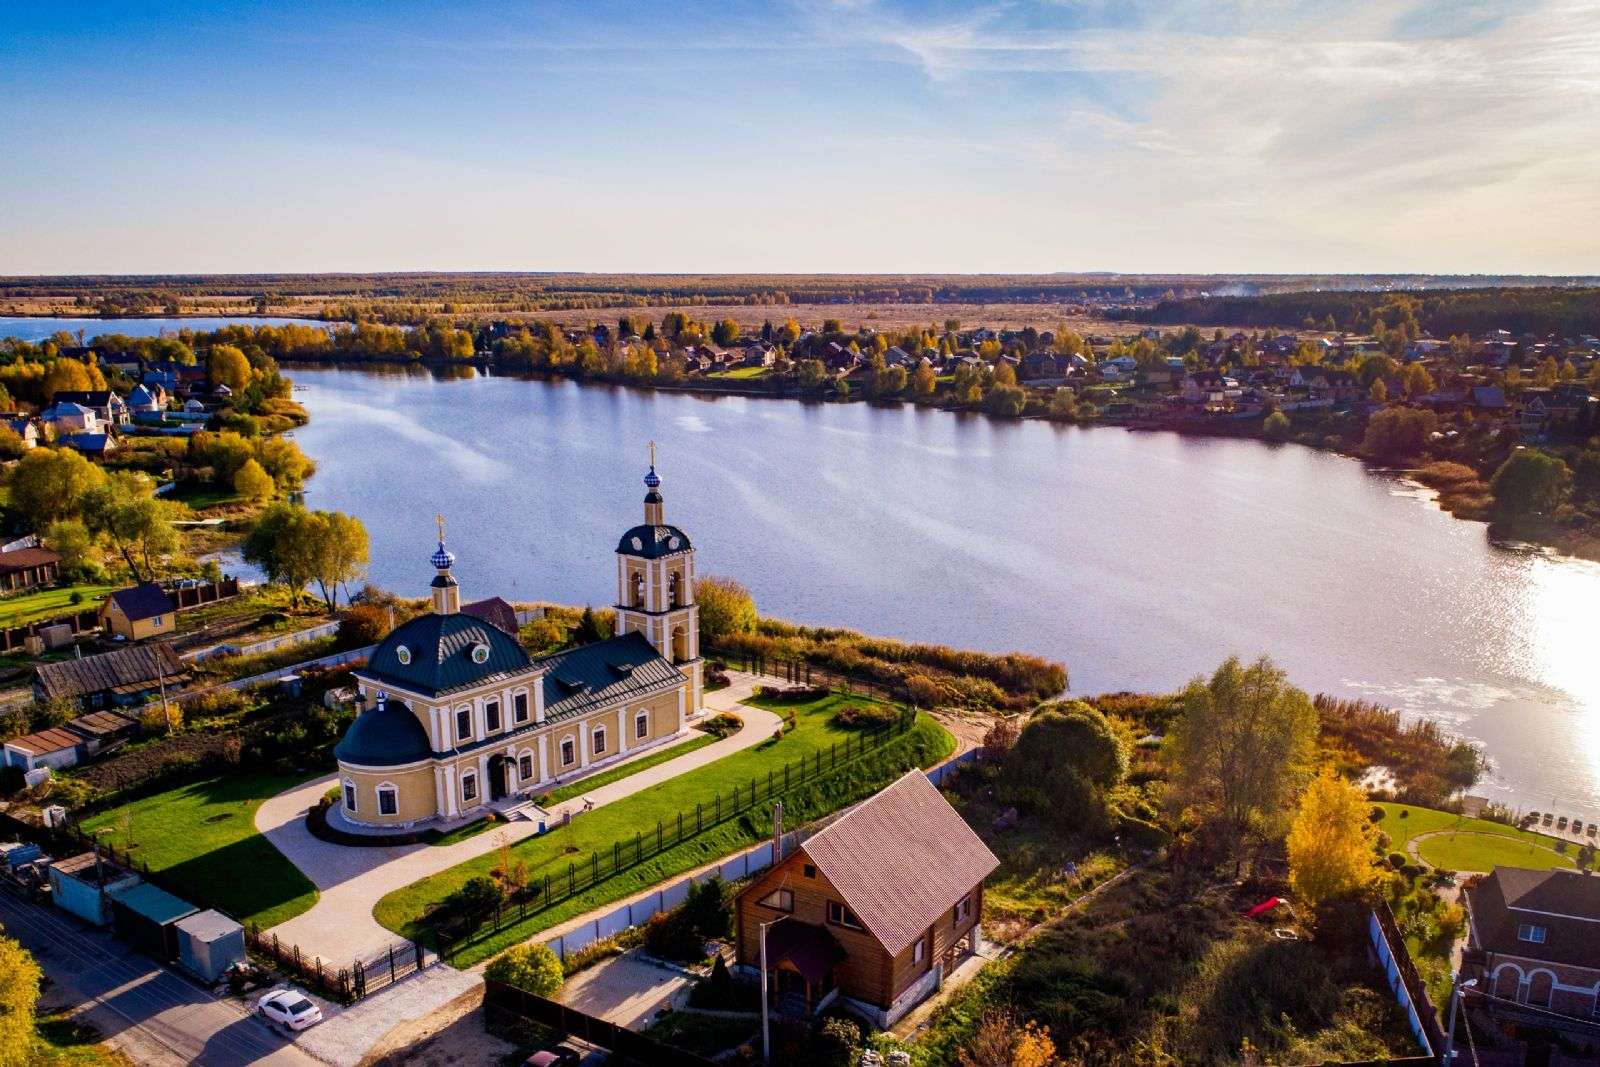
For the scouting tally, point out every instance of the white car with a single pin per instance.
(289, 1008)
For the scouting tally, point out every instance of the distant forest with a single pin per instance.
(411, 297)
(1538, 310)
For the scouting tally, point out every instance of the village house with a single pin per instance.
(24, 427)
(875, 909)
(460, 718)
(142, 611)
(70, 743)
(128, 677)
(93, 445)
(147, 400)
(69, 418)
(108, 406)
(1533, 937)
(29, 568)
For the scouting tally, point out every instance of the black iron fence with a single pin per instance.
(580, 876)
(344, 984)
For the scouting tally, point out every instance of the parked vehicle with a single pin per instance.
(289, 1008)
(562, 1055)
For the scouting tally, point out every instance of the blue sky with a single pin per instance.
(817, 135)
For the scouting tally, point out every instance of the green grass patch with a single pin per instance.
(464, 832)
(201, 497)
(1465, 843)
(616, 774)
(60, 1041)
(48, 603)
(925, 744)
(203, 835)
(741, 373)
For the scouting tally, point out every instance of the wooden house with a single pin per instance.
(873, 910)
(142, 611)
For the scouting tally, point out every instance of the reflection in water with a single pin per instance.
(1139, 559)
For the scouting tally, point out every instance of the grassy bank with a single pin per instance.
(925, 744)
(1458, 843)
(48, 603)
(644, 763)
(203, 834)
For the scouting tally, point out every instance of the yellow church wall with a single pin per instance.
(414, 794)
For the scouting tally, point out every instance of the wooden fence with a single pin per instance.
(669, 833)
(626, 1047)
(14, 637)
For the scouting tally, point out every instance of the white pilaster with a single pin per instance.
(544, 758)
(536, 694)
(622, 730)
(583, 745)
(682, 710)
(481, 729)
(483, 778)
(452, 808)
(438, 789)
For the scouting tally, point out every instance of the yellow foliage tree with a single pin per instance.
(1001, 1042)
(1331, 841)
(252, 482)
(19, 995)
(228, 366)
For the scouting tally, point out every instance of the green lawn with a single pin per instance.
(200, 497)
(203, 834)
(61, 1041)
(47, 603)
(925, 744)
(741, 373)
(1467, 844)
(616, 774)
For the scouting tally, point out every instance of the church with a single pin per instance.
(459, 718)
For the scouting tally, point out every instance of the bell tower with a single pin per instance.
(446, 593)
(655, 588)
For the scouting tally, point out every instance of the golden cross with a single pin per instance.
(652, 453)
(440, 520)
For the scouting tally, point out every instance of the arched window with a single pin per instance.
(1541, 987)
(388, 799)
(680, 645)
(599, 746)
(673, 598)
(638, 590)
(1507, 981)
(469, 787)
(525, 767)
(641, 725)
(350, 796)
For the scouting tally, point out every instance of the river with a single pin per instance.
(1138, 559)
(30, 328)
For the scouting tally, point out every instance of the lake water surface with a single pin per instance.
(1138, 559)
(38, 328)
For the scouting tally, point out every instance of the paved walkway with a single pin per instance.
(626, 990)
(351, 880)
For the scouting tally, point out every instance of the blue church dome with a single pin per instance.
(385, 735)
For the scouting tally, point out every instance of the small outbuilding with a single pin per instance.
(142, 611)
(83, 884)
(147, 916)
(209, 943)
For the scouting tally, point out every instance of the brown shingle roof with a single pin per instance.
(96, 674)
(1564, 902)
(901, 859)
(51, 739)
(495, 612)
(23, 558)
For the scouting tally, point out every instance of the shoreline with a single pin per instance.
(1538, 534)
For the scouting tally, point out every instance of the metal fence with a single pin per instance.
(671, 832)
(626, 1047)
(1389, 946)
(344, 984)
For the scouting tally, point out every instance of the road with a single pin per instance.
(152, 1014)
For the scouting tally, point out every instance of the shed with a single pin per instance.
(82, 884)
(14, 854)
(56, 747)
(209, 943)
(147, 915)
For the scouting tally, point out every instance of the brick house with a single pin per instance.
(1534, 938)
(875, 909)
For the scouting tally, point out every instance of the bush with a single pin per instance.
(216, 704)
(363, 624)
(866, 716)
(1397, 860)
(531, 967)
(706, 908)
(671, 936)
(793, 694)
(159, 719)
(837, 1041)
(724, 725)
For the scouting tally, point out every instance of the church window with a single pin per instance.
(525, 768)
(491, 714)
(568, 752)
(388, 800)
(519, 707)
(638, 590)
(463, 724)
(641, 724)
(599, 740)
(349, 796)
(469, 787)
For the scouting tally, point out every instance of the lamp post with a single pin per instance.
(1450, 1034)
(766, 1040)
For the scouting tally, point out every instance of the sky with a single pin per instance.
(1228, 136)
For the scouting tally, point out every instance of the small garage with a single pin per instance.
(81, 885)
(209, 943)
(146, 916)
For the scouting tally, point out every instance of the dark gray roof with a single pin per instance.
(653, 542)
(386, 736)
(95, 674)
(440, 648)
(144, 601)
(1566, 903)
(606, 672)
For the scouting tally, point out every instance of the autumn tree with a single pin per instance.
(80, 556)
(124, 509)
(227, 365)
(1000, 1041)
(19, 998)
(1417, 381)
(726, 607)
(530, 967)
(252, 482)
(72, 376)
(1241, 746)
(1064, 763)
(1398, 434)
(1530, 481)
(725, 332)
(924, 381)
(341, 553)
(49, 484)
(283, 544)
(1331, 841)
